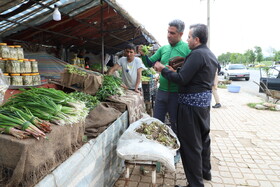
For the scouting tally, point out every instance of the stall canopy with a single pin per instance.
(95, 25)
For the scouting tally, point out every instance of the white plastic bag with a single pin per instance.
(135, 146)
(3, 86)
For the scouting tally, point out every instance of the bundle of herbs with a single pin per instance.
(111, 86)
(158, 132)
(90, 101)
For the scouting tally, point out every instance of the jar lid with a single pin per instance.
(12, 59)
(3, 44)
(6, 74)
(11, 46)
(15, 74)
(32, 60)
(17, 46)
(25, 74)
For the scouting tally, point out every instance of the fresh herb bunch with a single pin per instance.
(90, 101)
(148, 72)
(146, 49)
(111, 86)
(74, 70)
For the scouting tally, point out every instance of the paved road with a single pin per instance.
(249, 86)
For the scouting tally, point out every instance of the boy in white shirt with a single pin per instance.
(131, 69)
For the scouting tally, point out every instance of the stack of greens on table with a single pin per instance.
(90, 101)
(39, 106)
(111, 86)
(74, 70)
(147, 74)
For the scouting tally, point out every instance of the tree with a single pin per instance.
(250, 56)
(224, 58)
(276, 55)
(258, 52)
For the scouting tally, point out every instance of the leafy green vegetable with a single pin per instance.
(74, 70)
(90, 101)
(146, 49)
(111, 86)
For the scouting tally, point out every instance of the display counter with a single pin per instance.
(95, 164)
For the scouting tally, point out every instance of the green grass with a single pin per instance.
(253, 105)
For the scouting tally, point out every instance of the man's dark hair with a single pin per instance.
(180, 25)
(200, 31)
(130, 46)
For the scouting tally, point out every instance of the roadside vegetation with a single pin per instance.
(251, 58)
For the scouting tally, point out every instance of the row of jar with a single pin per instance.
(17, 79)
(19, 66)
(78, 62)
(11, 51)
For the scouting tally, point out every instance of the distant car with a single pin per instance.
(236, 71)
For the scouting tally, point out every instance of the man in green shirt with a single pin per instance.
(167, 95)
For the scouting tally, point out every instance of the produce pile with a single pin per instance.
(90, 101)
(159, 132)
(32, 112)
(74, 70)
(147, 74)
(111, 86)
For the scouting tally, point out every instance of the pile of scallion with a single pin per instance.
(49, 104)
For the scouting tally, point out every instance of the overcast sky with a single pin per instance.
(235, 25)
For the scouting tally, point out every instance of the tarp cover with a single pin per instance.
(134, 102)
(25, 162)
(49, 66)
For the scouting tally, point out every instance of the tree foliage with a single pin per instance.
(249, 57)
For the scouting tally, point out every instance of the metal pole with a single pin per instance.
(208, 22)
(102, 39)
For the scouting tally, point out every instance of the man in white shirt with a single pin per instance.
(131, 69)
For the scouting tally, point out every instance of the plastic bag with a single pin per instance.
(3, 86)
(135, 146)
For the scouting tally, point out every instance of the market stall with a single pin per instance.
(35, 52)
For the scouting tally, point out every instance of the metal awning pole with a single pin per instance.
(102, 39)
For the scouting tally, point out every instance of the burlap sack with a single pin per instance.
(99, 119)
(88, 84)
(25, 162)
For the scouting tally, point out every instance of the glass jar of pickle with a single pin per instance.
(13, 52)
(34, 65)
(26, 66)
(16, 79)
(3, 64)
(36, 78)
(19, 51)
(4, 50)
(13, 66)
(27, 79)
(8, 78)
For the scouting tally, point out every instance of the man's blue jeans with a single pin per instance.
(166, 102)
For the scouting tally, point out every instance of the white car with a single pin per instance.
(236, 71)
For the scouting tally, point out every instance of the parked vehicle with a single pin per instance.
(236, 71)
(270, 78)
